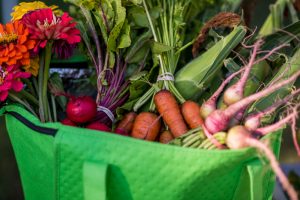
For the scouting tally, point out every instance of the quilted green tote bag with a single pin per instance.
(69, 163)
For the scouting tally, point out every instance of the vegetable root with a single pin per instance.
(211, 104)
(169, 109)
(275, 166)
(252, 122)
(165, 137)
(219, 120)
(278, 125)
(125, 125)
(146, 126)
(236, 92)
(191, 114)
(239, 137)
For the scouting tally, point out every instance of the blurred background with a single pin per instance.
(255, 13)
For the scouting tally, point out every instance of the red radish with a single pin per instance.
(219, 119)
(81, 109)
(211, 104)
(239, 137)
(68, 122)
(98, 126)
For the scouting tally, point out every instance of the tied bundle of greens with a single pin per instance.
(169, 31)
(112, 39)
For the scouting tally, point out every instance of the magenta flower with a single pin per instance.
(45, 26)
(10, 79)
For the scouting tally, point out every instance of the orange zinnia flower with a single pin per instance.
(15, 44)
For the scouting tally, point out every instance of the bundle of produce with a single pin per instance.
(223, 87)
(259, 83)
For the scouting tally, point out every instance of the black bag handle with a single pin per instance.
(29, 124)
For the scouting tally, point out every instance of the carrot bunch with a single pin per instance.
(171, 120)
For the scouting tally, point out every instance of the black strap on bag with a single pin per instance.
(29, 124)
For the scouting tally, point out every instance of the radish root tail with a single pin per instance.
(275, 166)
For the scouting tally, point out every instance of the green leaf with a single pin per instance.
(293, 66)
(120, 15)
(138, 76)
(136, 2)
(275, 19)
(279, 37)
(125, 40)
(112, 59)
(138, 49)
(137, 17)
(102, 26)
(158, 48)
(136, 90)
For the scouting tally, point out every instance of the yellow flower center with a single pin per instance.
(6, 38)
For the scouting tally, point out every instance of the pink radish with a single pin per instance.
(236, 92)
(219, 120)
(211, 104)
(239, 137)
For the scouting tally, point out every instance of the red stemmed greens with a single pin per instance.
(111, 41)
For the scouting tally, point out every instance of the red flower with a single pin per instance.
(45, 26)
(10, 79)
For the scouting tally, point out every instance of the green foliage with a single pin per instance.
(197, 74)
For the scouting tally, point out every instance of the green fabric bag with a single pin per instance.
(69, 163)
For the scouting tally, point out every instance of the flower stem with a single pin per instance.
(30, 87)
(39, 86)
(54, 108)
(29, 97)
(15, 98)
(48, 52)
(43, 83)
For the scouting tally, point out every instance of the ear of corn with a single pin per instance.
(197, 74)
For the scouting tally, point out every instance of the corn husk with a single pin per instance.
(193, 78)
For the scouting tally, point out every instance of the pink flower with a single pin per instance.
(10, 79)
(45, 26)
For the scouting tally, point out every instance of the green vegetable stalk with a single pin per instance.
(193, 78)
(168, 30)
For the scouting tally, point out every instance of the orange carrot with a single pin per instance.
(146, 126)
(165, 137)
(125, 125)
(169, 109)
(191, 113)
